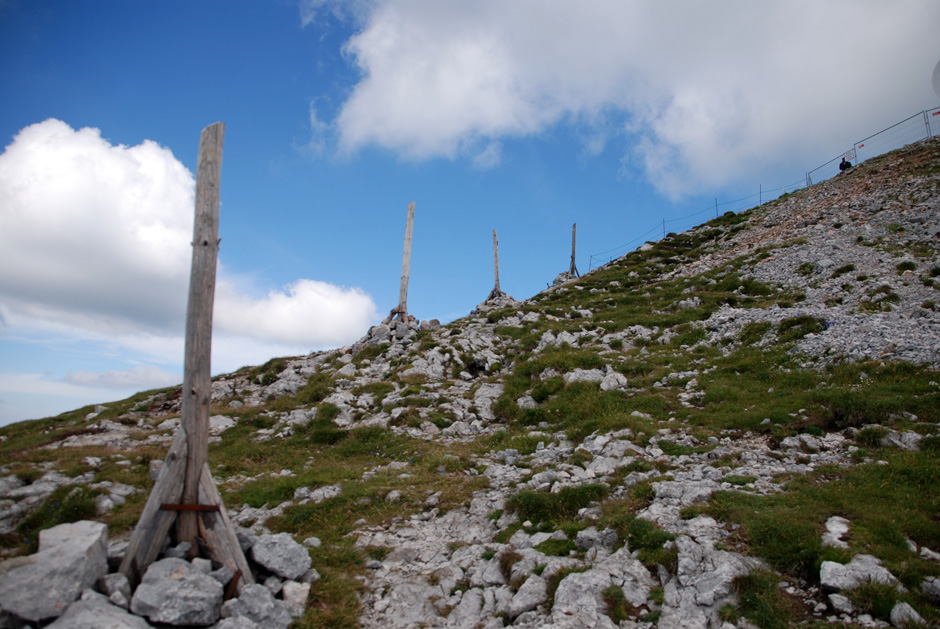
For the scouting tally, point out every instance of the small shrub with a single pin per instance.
(539, 506)
(317, 388)
(876, 599)
(556, 547)
(870, 437)
(795, 328)
(507, 560)
(842, 270)
(739, 481)
(907, 265)
(753, 332)
(762, 602)
(930, 444)
(327, 412)
(618, 608)
(65, 504)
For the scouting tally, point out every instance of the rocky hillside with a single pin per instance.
(736, 426)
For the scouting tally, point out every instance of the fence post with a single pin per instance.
(573, 270)
(406, 265)
(185, 492)
(716, 207)
(927, 124)
(197, 383)
(496, 262)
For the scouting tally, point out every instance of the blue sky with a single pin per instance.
(522, 116)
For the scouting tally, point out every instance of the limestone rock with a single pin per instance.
(257, 604)
(931, 588)
(236, 622)
(836, 527)
(115, 583)
(613, 381)
(96, 614)
(71, 557)
(281, 555)
(533, 593)
(862, 569)
(295, 597)
(903, 614)
(584, 375)
(581, 596)
(172, 591)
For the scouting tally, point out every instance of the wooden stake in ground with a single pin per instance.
(401, 311)
(573, 271)
(496, 263)
(197, 383)
(185, 492)
(496, 292)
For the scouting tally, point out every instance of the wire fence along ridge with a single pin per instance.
(921, 126)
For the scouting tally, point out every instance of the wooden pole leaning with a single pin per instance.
(496, 292)
(185, 493)
(573, 270)
(402, 310)
(496, 288)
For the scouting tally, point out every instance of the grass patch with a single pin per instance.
(65, 504)
(538, 506)
(795, 328)
(842, 270)
(887, 505)
(762, 602)
(753, 332)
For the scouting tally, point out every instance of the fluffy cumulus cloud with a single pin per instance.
(95, 249)
(93, 235)
(695, 93)
(305, 313)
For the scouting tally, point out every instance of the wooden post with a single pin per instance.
(406, 266)
(573, 271)
(496, 262)
(197, 382)
(185, 492)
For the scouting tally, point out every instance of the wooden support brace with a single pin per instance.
(182, 507)
(154, 523)
(217, 531)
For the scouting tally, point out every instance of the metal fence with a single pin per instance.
(921, 126)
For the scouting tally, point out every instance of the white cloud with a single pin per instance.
(705, 93)
(139, 377)
(93, 235)
(95, 249)
(307, 312)
(27, 383)
(489, 157)
(312, 10)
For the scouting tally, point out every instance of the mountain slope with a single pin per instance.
(677, 439)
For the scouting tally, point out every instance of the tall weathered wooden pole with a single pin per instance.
(197, 380)
(406, 266)
(185, 492)
(496, 263)
(573, 271)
